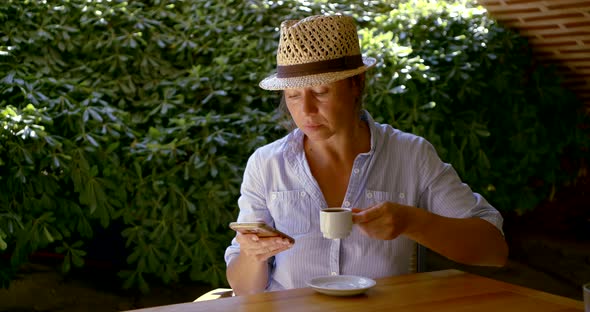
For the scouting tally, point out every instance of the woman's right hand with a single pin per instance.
(261, 248)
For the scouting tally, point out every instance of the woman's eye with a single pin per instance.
(293, 96)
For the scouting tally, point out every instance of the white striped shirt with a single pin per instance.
(278, 188)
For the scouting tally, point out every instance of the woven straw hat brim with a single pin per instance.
(274, 83)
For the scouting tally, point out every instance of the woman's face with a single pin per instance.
(324, 111)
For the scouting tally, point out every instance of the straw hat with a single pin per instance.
(317, 50)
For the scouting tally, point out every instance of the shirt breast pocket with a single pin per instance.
(373, 198)
(291, 211)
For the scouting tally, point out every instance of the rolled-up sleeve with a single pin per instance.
(445, 194)
(252, 202)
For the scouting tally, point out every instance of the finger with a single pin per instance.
(265, 244)
(280, 241)
(278, 250)
(368, 214)
(257, 250)
(267, 252)
(355, 218)
(276, 244)
(246, 238)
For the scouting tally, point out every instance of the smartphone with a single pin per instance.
(259, 228)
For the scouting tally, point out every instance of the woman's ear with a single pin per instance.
(361, 79)
(358, 84)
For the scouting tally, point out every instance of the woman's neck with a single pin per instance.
(340, 149)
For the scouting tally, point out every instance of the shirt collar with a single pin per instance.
(372, 130)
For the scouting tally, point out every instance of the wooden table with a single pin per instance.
(448, 290)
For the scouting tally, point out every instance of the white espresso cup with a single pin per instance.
(335, 222)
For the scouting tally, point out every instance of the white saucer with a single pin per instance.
(341, 285)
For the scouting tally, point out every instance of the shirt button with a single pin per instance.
(274, 196)
(369, 195)
(356, 171)
(334, 273)
(402, 195)
(346, 203)
(302, 194)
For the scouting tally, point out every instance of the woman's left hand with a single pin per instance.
(383, 221)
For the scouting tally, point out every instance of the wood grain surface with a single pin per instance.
(448, 290)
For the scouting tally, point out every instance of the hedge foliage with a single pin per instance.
(474, 90)
(140, 116)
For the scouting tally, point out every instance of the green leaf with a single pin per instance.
(143, 286)
(77, 260)
(3, 244)
(48, 235)
(66, 265)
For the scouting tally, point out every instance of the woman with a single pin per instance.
(400, 192)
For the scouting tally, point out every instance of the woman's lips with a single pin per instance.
(312, 126)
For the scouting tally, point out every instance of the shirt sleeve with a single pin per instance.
(445, 194)
(252, 201)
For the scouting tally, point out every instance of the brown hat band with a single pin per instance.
(335, 65)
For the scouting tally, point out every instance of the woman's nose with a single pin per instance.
(309, 104)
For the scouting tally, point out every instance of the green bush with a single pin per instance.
(472, 88)
(143, 114)
(136, 113)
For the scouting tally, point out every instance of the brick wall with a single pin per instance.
(559, 32)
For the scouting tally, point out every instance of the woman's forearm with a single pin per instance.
(471, 241)
(247, 276)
